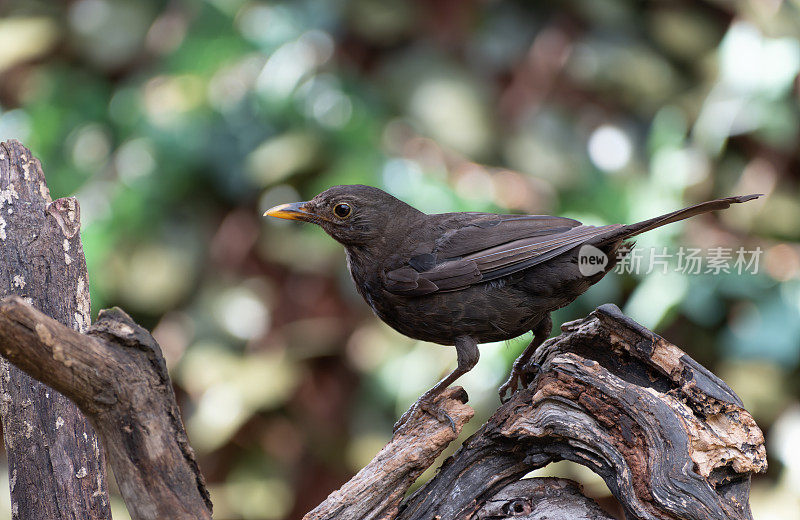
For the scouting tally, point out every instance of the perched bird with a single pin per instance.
(466, 278)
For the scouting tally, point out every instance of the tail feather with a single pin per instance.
(632, 230)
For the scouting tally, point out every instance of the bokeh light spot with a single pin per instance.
(610, 149)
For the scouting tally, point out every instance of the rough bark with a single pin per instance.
(116, 375)
(55, 461)
(541, 499)
(671, 440)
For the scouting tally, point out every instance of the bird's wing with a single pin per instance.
(478, 247)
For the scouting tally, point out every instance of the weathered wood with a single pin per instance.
(117, 376)
(377, 490)
(543, 498)
(55, 461)
(669, 438)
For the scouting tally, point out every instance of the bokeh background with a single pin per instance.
(176, 123)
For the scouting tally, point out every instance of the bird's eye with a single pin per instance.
(342, 210)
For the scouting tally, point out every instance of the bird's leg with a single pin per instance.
(540, 333)
(467, 353)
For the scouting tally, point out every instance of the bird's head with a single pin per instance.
(351, 214)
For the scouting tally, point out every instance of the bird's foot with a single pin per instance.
(426, 405)
(520, 376)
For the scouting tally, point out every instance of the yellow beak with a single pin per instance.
(292, 211)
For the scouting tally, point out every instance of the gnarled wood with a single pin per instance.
(55, 460)
(543, 498)
(670, 439)
(117, 376)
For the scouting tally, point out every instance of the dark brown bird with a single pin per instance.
(466, 278)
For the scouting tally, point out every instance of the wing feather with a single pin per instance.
(407, 281)
(478, 247)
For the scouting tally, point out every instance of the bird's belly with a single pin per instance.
(486, 314)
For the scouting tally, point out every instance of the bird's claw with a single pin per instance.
(515, 380)
(425, 404)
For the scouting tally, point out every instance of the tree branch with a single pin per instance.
(116, 375)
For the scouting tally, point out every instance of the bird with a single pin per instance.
(461, 279)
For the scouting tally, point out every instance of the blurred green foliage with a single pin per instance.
(176, 123)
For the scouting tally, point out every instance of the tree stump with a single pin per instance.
(55, 460)
(115, 373)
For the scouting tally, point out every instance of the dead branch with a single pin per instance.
(116, 375)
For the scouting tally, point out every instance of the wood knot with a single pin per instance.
(67, 213)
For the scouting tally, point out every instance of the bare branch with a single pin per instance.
(117, 376)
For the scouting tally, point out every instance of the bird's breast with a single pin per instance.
(364, 275)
